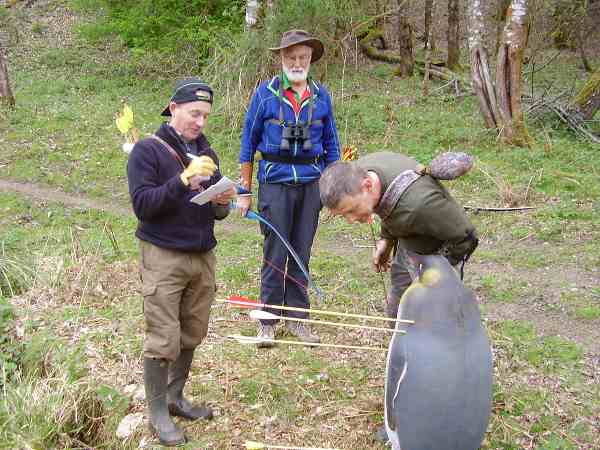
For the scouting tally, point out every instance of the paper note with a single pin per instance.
(223, 185)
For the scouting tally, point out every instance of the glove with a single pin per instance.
(202, 166)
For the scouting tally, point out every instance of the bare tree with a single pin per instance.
(6, 95)
(480, 67)
(251, 13)
(429, 41)
(453, 34)
(587, 102)
(405, 39)
(500, 105)
(500, 16)
(508, 74)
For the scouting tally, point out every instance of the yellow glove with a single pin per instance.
(202, 166)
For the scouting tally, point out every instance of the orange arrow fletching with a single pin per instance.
(243, 302)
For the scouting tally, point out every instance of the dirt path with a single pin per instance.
(41, 192)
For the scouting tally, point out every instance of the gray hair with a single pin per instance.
(340, 179)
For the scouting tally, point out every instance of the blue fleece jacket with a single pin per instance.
(261, 133)
(161, 201)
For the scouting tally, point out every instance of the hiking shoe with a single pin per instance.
(265, 332)
(302, 332)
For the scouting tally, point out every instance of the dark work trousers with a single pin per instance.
(294, 210)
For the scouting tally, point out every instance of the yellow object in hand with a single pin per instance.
(125, 120)
(202, 166)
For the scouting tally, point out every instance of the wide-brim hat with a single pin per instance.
(189, 90)
(295, 37)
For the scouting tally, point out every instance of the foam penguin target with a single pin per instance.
(438, 390)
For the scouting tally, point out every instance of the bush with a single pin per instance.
(15, 275)
(10, 349)
(186, 28)
(49, 400)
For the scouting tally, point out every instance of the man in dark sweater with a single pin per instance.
(417, 213)
(177, 262)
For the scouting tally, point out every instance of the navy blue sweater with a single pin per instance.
(161, 201)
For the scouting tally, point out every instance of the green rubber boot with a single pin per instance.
(155, 381)
(178, 375)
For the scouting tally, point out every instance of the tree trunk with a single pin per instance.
(428, 16)
(453, 35)
(587, 102)
(508, 74)
(480, 68)
(380, 21)
(6, 95)
(405, 42)
(251, 13)
(500, 20)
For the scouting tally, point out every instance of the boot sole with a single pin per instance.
(163, 442)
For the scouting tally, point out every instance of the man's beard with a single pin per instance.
(295, 75)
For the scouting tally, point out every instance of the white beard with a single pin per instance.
(295, 75)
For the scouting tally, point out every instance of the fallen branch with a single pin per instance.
(484, 208)
(569, 116)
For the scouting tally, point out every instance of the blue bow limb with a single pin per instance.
(252, 215)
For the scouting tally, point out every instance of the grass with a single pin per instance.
(84, 282)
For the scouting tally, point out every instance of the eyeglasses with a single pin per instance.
(300, 59)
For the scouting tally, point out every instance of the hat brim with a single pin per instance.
(313, 43)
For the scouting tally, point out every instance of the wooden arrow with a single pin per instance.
(247, 303)
(255, 340)
(258, 314)
(251, 445)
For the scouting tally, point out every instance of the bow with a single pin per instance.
(252, 215)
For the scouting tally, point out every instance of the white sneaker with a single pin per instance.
(266, 332)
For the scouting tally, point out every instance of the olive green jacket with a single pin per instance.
(425, 218)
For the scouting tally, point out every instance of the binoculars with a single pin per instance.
(298, 132)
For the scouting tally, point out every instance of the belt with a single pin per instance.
(290, 159)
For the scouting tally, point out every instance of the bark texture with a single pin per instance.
(405, 40)
(500, 16)
(427, 19)
(508, 74)
(480, 68)
(453, 34)
(6, 95)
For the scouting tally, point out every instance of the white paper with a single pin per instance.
(223, 185)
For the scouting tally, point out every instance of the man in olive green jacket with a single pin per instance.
(417, 213)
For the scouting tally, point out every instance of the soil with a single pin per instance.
(47, 193)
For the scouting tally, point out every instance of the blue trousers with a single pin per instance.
(294, 210)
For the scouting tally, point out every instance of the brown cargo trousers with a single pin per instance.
(178, 290)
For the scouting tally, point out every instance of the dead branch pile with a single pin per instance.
(539, 107)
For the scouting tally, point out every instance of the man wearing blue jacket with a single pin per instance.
(177, 262)
(290, 122)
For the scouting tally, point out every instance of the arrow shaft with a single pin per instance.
(313, 311)
(337, 324)
(296, 448)
(253, 340)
